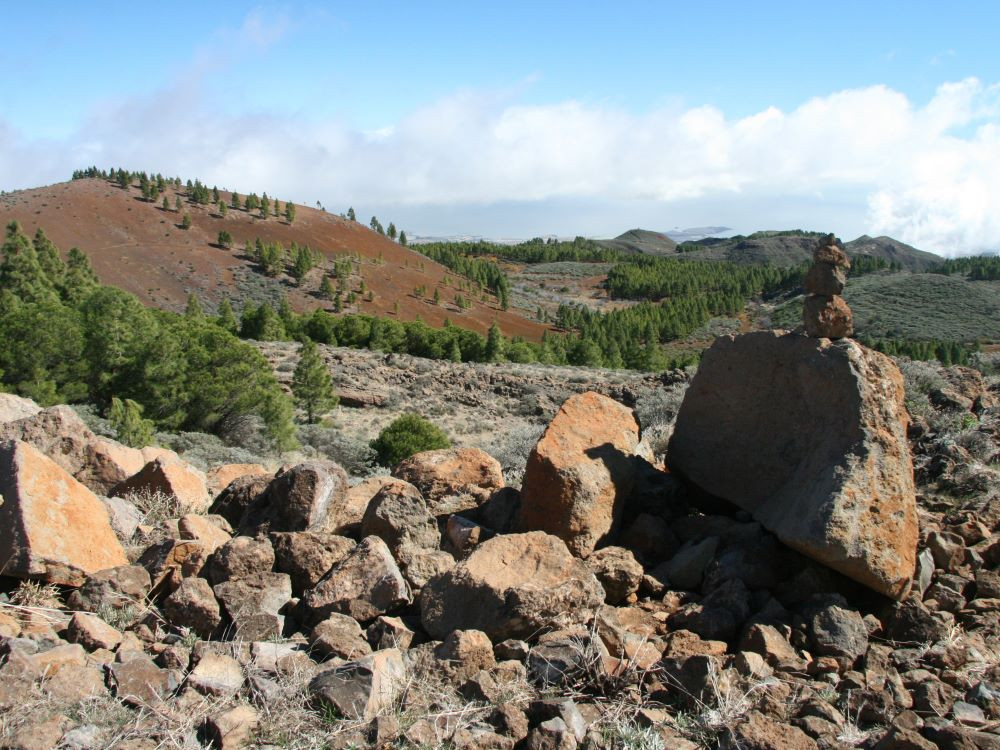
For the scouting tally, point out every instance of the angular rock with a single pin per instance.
(839, 632)
(240, 557)
(365, 584)
(307, 497)
(216, 674)
(825, 279)
(172, 560)
(211, 531)
(220, 477)
(51, 527)
(618, 571)
(358, 497)
(758, 732)
(140, 682)
(174, 478)
(240, 497)
(253, 602)
(92, 632)
(511, 587)
(308, 555)
(827, 317)
(399, 516)
(452, 471)
(686, 568)
(465, 653)
(97, 463)
(125, 517)
(580, 472)
(193, 605)
(830, 472)
(232, 729)
(112, 587)
(340, 636)
(364, 688)
(390, 632)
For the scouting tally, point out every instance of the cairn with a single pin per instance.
(826, 314)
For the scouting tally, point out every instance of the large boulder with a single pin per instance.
(307, 497)
(51, 526)
(581, 471)
(511, 586)
(452, 471)
(173, 477)
(60, 434)
(220, 477)
(809, 435)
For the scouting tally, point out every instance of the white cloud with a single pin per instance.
(928, 175)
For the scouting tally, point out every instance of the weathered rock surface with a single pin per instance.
(452, 471)
(60, 434)
(307, 556)
(193, 605)
(51, 526)
(220, 477)
(363, 688)
(829, 472)
(398, 515)
(365, 584)
(580, 472)
(172, 477)
(511, 587)
(827, 317)
(307, 497)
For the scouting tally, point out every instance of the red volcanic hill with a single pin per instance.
(141, 247)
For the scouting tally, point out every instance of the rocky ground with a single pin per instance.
(147, 604)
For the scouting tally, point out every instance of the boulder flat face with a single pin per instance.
(512, 586)
(580, 472)
(809, 435)
(51, 526)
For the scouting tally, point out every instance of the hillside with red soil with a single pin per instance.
(141, 247)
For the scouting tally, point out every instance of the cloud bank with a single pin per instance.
(928, 175)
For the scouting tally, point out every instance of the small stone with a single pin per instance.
(213, 532)
(216, 674)
(139, 682)
(232, 729)
(364, 688)
(686, 568)
(466, 652)
(193, 605)
(240, 557)
(827, 317)
(339, 636)
(92, 632)
(618, 571)
(390, 632)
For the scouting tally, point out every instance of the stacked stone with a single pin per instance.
(826, 314)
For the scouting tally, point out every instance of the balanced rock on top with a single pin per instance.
(825, 313)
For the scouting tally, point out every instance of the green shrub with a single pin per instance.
(407, 435)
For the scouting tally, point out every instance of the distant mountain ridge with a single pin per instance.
(642, 241)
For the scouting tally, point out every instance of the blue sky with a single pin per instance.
(515, 119)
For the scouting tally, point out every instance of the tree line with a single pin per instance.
(68, 338)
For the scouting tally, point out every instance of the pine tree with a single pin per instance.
(402, 238)
(351, 216)
(129, 426)
(166, 204)
(177, 203)
(312, 385)
(326, 288)
(494, 344)
(227, 318)
(222, 208)
(289, 212)
(193, 310)
(186, 221)
(391, 231)
(234, 202)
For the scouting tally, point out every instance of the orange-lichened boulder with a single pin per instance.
(452, 471)
(809, 435)
(171, 476)
(580, 472)
(51, 526)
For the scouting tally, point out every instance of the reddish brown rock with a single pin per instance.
(827, 317)
(825, 279)
(511, 586)
(828, 251)
(452, 471)
(213, 532)
(51, 526)
(307, 497)
(172, 477)
(580, 472)
(829, 472)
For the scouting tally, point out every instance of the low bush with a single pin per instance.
(408, 434)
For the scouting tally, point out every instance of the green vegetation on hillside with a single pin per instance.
(407, 435)
(68, 338)
(977, 268)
